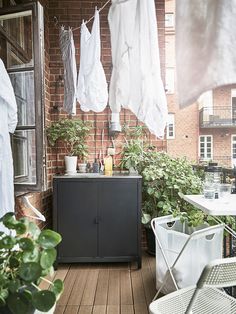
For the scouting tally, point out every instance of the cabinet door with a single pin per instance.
(77, 212)
(118, 218)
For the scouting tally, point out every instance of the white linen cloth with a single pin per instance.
(136, 78)
(70, 70)
(8, 122)
(92, 91)
(205, 46)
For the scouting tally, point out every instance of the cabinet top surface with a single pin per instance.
(97, 176)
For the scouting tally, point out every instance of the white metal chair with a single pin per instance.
(181, 256)
(205, 297)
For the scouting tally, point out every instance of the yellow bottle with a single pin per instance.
(108, 165)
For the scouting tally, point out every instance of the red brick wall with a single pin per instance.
(71, 13)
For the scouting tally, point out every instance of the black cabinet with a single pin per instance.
(99, 218)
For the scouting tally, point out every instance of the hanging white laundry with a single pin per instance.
(136, 78)
(205, 47)
(8, 122)
(70, 71)
(92, 91)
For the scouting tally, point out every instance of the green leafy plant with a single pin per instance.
(133, 148)
(72, 133)
(165, 180)
(27, 255)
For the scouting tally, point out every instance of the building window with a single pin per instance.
(169, 20)
(205, 147)
(170, 131)
(21, 41)
(233, 149)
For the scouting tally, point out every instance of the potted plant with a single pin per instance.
(72, 133)
(26, 257)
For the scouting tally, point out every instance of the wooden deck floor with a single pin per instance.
(107, 288)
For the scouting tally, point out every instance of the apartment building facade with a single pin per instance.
(206, 130)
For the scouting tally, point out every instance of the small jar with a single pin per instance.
(213, 177)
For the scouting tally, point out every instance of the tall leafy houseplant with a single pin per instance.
(27, 255)
(72, 134)
(165, 180)
(133, 148)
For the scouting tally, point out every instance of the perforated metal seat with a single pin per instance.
(205, 297)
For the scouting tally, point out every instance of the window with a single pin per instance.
(233, 102)
(21, 42)
(170, 80)
(205, 147)
(170, 131)
(233, 149)
(169, 20)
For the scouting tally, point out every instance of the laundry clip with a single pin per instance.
(38, 216)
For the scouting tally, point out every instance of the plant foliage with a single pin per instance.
(26, 257)
(72, 132)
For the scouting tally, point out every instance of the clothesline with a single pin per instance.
(92, 17)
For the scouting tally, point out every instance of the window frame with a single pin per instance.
(232, 149)
(170, 121)
(205, 147)
(39, 102)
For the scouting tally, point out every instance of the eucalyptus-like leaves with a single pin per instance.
(27, 255)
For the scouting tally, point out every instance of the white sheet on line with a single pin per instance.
(136, 79)
(205, 47)
(92, 91)
(8, 122)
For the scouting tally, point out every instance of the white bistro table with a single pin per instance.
(225, 206)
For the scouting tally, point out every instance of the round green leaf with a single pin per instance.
(26, 244)
(58, 287)
(14, 285)
(49, 239)
(18, 303)
(20, 228)
(9, 220)
(13, 262)
(30, 272)
(33, 230)
(43, 300)
(47, 258)
(7, 242)
(31, 256)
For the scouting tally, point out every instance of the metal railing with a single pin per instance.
(217, 117)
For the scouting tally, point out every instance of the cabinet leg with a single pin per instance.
(139, 262)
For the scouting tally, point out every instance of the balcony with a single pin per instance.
(217, 117)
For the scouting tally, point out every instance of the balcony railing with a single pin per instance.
(217, 117)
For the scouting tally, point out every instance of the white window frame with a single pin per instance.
(169, 20)
(233, 160)
(170, 129)
(205, 157)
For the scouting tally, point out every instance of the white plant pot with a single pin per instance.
(82, 167)
(71, 164)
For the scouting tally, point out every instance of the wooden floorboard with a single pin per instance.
(107, 288)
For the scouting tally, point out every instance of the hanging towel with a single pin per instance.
(136, 79)
(92, 91)
(205, 46)
(8, 122)
(70, 71)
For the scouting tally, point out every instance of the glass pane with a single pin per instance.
(202, 139)
(24, 156)
(9, 3)
(208, 139)
(23, 84)
(16, 37)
